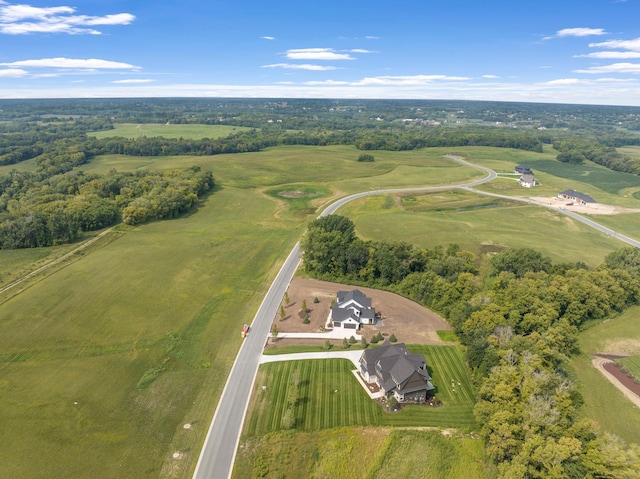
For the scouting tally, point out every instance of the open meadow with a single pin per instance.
(113, 364)
(135, 130)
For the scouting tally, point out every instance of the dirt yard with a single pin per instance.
(404, 318)
(591, 209)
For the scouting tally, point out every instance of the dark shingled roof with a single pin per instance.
(577, 194)
(397, 368)
(356, 295)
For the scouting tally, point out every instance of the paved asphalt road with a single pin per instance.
(218, 453)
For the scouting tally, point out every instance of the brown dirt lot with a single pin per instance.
(406, 319)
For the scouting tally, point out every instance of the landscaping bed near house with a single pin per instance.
(407, 320)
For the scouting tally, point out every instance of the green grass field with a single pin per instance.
(104, 361)
(603, 402)
(195, 132)
(472, 220)
(331, 397)
(379, 453)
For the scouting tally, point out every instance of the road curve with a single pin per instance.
(599, 363)
(220, 446)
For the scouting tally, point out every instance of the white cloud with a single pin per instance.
(490, 77)
(610, 55)
(371, 37)
(408, 80)
(12, 73)
(580, 32)
(633, 45)
(360, 50)
(316, 54)
(300, 66)
(265, 37)
(90, 63)
(325, 82)
(613, 68)
(23, 19)
(566, 81)
(134, 80)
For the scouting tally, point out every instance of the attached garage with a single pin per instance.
(350, 326)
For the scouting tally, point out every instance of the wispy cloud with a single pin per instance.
(633, 45)
(371, 37)
(17, 19)
(266, 37)
(12, 73)
(134, 80)
(405, 80)
(300, 66)
(490, 77)
(613, 68)
(610, 55)
(75, 63)
(316, 54)
(580, 32)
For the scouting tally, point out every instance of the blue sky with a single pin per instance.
(564, 51)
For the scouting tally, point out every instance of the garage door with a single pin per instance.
(349, 326)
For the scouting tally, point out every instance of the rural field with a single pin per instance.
(604, 403)
(113, 364)
(135, 130)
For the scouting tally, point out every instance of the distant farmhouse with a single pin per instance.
(397, 372)
(351, 310)
(526, 177)
(576, 197)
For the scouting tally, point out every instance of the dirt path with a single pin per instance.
(600, 365)
(54, 262)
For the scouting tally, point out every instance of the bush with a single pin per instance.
(345, 343)
(363, 343)
(327, 344)
(352, 340)
(316, 300)
(392, 403)
(306, 320)
(366, 157)
(393, 338)
(374, 339)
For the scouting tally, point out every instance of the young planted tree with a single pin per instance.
(393, 338)
(352, 340)
(274, 332)
(345, 343)
(363, 342)
(304, 305)
(287, 301)
(327, 344)
(282, 312)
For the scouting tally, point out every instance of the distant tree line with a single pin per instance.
(518, 315)
(577, 151)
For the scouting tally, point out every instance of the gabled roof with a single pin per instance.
(527, 178)
(577, 194)
(397, 368)
(522, 169)
(354, 295)
(339, 314)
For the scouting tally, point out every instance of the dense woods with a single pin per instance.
(518, 315)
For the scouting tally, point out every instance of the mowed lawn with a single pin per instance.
(607, 406)
(330, 396)
(135, 130)
(473, 221)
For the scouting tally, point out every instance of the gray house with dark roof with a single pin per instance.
(351, 309)
(576, 197)
(398, 372)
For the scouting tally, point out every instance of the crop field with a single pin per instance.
(195, 132)
(380, 452)
(330, 396)
(472, 220)
(604, 403)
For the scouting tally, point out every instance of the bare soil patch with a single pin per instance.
(590, 209)
(406, 319)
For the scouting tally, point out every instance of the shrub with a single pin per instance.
(352, 340)
(363, 342)
(316, 300)
(392, 403)
(374, 339)
(327, 344)
(366, 157)
(393, 338)
(345, 343)
(306, 320)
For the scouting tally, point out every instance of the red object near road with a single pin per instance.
(245, 330)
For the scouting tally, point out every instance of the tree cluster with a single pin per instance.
(39, 210)
(518, 315)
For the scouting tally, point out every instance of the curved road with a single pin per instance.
(218, 453)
